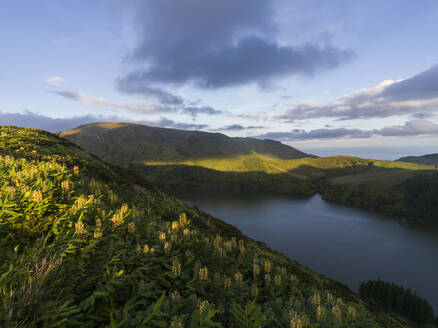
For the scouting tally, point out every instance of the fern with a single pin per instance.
(249, 316)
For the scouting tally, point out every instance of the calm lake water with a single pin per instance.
(345, 244)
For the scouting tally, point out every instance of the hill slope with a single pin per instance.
(86, 244)
(430, 159)
(124, 144)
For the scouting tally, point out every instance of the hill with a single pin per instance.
(87, 244)
(430, 159)
(407, 195)
(396, 188)
(125, 144)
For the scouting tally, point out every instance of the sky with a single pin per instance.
(356, 77)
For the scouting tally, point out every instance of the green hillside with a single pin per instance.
(87, 244)
(430, 159)
(408, 195)
(124, 144)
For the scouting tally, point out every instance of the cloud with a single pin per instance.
(164, 122)
(174, 105)
(416, 96)
(317, 134)
(194, 111)
(422, 86)
(33, 120)
(138, 108)
(55, 81)
(410, 128)
(164, 97)
(217, 44)
(238, 127)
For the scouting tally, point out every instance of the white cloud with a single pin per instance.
(56, 81)
(138, 108)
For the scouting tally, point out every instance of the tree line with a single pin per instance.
(395, 298)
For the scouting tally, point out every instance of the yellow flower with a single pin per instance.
(176, 268)
(277, 280)
(80, 228)
(131, 227)
(37, 196)
(267, 266)
(167, 248)
(203, 273)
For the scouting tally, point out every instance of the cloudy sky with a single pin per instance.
(313, 74)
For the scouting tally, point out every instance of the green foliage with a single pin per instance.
(395, 298)
(86, 244)
(249, 316)
(408, 196)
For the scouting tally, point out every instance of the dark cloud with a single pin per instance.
(238, 127)
(164, 122)
(410, 128)
(194, 111)
(421, 86)
(217, 44)
(416, 96)
(317, 134)
(32, 120)
(73, 95)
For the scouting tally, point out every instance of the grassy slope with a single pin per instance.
(124, 144)
(86, 244)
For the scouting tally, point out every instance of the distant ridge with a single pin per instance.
(123, 144)
(430, 159)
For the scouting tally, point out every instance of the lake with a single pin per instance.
(348, 245)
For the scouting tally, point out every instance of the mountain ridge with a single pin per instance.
(428, 159)
(125, 143)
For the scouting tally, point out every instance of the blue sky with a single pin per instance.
(312, 74)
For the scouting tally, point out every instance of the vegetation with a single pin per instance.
(430, 159)
(405, 195)
(125, 144)
(181, 180)
(181, 162)
(86, 244)
(395, 298)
